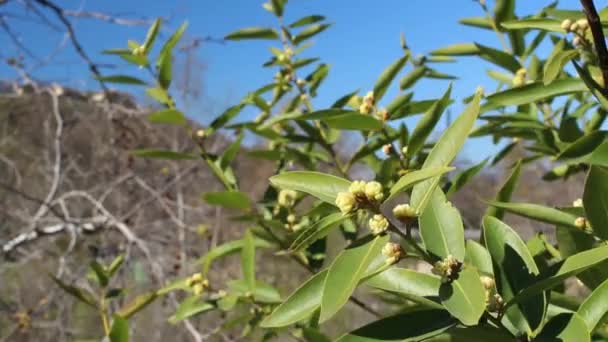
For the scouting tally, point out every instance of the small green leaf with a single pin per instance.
(317, 231)
(412, 178)
(543, 24)
(169, 116)
(478, 256)
(253, 33)
(162, 154)
(464, 297)
(122, 79)
(299, 305)
(441, 228)
(583, 146)
(505, 192)
(311, 19)
(419, 287)
(248, 261)
(427, 123)
(346, 271)
(538, 212)
(412, 325)
(171, 42)
(136, 304)
(595, 307)
(120, 330)
(263, 293)
(388, 75)
(160, 95)
(100, 273)
(164, 70)
(79, 293)
(309, 32)
(533, 92)
(225, 117)
(412, 77)
(227, 249)
(229, 199)
(595, 200)
(189, 307)
(444, 151)
(323, 186)
(151, 36)
(555, 64)
(354, 121)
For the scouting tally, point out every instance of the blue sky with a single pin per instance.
(363, 40)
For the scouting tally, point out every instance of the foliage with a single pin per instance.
(497, 288)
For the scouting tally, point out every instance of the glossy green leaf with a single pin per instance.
(464, 297)
(309, 32)
(505, 192)
(253, 33)
(189, 307)
(321, 185)
(565, 327)
(407, 282)
(151, 36)
(444, 151)
(346, 271)
(533, 92)
(388, 75)
(441, 228)
(427, 123)
(556, 63)
(557, 273)
(165, 66)
(170, 44)
(317, 231)
(538, 212)
(595, 200)
(169, 116)
(412, 77)
(228, 199)
(480, 22)
(122, 79)
(225, 117)
(544, 24)
(248, 261)
(412, 178)
(120, 330)
(413, 325)
(464, 49)
(263, 293)
(594, 309)
(514, 270)
(583, 146)
(160, 95)
(299, 305)
(311, 19)
(354, 121)
(137, 304)
(479, 257)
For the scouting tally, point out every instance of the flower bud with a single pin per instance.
(583, 24)
(495, 303)
(566, 25)
(201, 133)
(357, 188)
(487, 282)
(369, 98)
(387, 149)
(404, 212)
(393, 252)
(518, 81)
(580, 222)
(378, 224)
(373, 191)
(382, 114)
(578, 203)
(346, 202)
(291, 218)
(287, 198)
(300, 82)
(365, 108)
(198, 289)
(577, 41)
(447, 269)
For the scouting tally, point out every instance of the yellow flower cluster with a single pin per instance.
(404, 212)
(393, 252)
(378, 224)
(287, 198)
(197, 283)
(359, 192)
(520, 78)
(367, 106)
(447, 268)
(578, 27)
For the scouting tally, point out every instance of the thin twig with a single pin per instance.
(598, 37)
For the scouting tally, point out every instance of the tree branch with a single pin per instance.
(598, 37)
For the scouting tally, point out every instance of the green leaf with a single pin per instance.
(122, 79)
(538, 212)
(543, 24)
(309, 32)
(595, 307)
(388, 75)
(248, 261)
(320, 185)
(317, 231)
(413, 325)
(412, 178)
(565, 327)
(476, 333)
(505, 192)
(533, 92)
(169, 116)
(263, 293)
(503, 10)
(478, 256)
(464, 297)
(595, 200)
(115, 265)
(189, 307)
(299, 305)
(464, 177)
(406, 282)
(160, 95)
(171, 42)
(514, 270)
(164, 70)
(412, 77)
(253, 33)
(229, 199)
(427, 123)
(137, 304)
(311, 19)
(151, 36)
(480, 22)
(227, 249)
(278, 6)
(225, 117)
(441, 228)
(162, 154)
(346, 271)
(100, 273)
(583, 146)
(120, 330)
(79, 293)
(354, 121)
(556, 63)
(445, 150)
(557, 273)
(231, 152)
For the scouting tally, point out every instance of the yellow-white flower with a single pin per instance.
(393, 252)
(357, 188)
(566, 25)
(287, 198)
(495, 303)
(346, 202)
(487, 282)
(447, 268)
(373, 191)
(580, 222)
(404, 212)
(378, 224)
